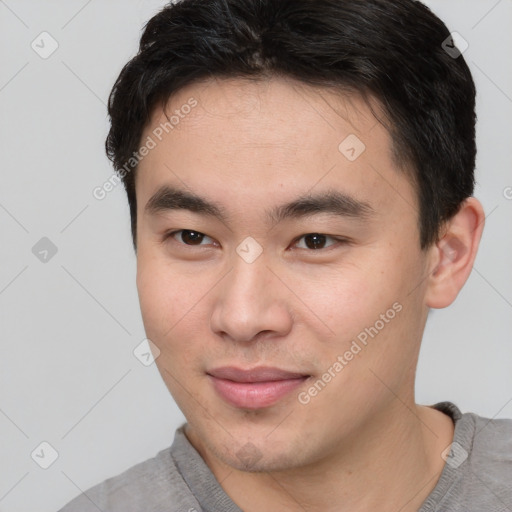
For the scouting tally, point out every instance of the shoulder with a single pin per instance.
(486, 442)
(486, 481)
(491, 450)
(481, 468)
(477, 475)
(154, 484)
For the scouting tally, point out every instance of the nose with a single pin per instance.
(251, 303)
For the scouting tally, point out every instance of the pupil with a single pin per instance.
(192, 237)
(314, 241)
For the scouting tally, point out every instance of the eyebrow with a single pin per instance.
(332, 202)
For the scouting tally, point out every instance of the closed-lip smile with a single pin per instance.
(254, 388)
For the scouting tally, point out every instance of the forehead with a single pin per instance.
(277, 111)
(269, 138)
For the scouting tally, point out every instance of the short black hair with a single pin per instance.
(390, 50)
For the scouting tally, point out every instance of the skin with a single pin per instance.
(249, 147)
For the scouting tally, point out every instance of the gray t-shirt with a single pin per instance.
(477, 476)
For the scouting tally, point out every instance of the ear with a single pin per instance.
(452, 256)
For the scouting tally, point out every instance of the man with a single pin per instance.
(300, 179)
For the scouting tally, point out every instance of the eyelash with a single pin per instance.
(339, 240)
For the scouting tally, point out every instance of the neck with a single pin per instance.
(392, 464)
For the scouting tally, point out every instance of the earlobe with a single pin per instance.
(454, 254)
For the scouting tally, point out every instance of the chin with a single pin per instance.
(255, 451)
(252, 458)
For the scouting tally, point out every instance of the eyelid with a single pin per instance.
(337, 239)
(170, 234)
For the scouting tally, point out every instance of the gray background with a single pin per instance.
(69, 325)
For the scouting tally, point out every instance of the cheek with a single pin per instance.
(164, 296)
(367, 301)
(173, 303)
(344, 297)
(171, 321)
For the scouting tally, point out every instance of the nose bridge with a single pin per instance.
(248, 302)
(246, 282)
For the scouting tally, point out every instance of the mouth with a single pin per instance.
(255, 388)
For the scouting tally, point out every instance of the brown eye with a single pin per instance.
(188, 237)
(191, 237)
(315, 241)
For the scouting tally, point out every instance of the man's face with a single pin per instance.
(332, 293)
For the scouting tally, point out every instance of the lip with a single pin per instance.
(254, 388)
